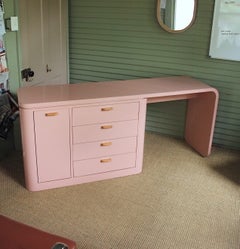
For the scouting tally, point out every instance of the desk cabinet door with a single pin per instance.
(52, 144)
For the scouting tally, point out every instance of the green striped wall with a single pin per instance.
(114, 40)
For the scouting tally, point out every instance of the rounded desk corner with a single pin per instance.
(216, 92)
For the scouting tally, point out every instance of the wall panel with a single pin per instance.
(114, 40)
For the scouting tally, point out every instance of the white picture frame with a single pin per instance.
(225, 36)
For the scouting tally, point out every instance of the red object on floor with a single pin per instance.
(16, 235)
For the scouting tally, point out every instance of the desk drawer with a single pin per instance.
(104, 148)
(104, 164)
(105, 113)
(96, 132)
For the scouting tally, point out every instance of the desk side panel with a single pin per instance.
(200, 121)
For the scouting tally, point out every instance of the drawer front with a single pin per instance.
(104, 164)
(104, 148)
(105, 113)
(96, 132)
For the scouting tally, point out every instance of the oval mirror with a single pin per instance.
(176, 15)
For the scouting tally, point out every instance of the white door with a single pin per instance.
(44, 41)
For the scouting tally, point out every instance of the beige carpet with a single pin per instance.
(180, 200)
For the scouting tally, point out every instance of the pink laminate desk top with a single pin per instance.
(82, 93)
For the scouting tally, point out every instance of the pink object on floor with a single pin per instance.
(16, 235)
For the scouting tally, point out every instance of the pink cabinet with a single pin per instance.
(71, 144)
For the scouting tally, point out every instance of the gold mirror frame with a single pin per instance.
(166, 27)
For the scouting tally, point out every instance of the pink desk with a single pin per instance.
(86, 132)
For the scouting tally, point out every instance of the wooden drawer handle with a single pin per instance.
(51, 114)
(107, 160)
(106, 144)
(106, 109)
(105, 127)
